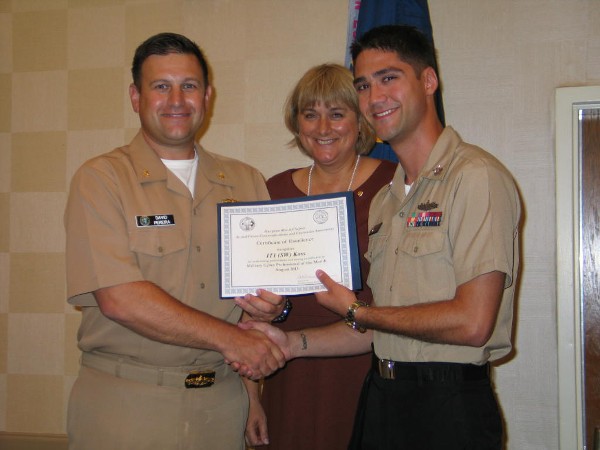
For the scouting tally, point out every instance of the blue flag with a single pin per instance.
(367, 14)
(374, 13)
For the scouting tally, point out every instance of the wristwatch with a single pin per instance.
(350, 320)
(286, 311)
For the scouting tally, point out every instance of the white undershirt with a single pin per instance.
(184, 169)
(407, 188)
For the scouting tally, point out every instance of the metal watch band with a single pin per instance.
(350, 319)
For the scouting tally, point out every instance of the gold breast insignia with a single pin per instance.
(427, 206)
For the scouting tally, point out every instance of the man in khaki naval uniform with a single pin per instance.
(142, 256)
(443, 248)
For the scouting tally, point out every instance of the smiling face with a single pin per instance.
(328, 133)
(391, 96)
(172, 101)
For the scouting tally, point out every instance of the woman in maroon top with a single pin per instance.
(310, 403)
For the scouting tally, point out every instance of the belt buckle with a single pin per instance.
(200, 379)
(386, 369)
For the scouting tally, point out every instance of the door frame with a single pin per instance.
(569, 101)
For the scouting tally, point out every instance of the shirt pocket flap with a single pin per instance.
(157, 241)
(422, 243)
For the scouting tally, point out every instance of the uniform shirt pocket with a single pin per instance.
(162, 255)
(377, 244)
(157, 242)
(422, 243)
(426, 263)
(376, 257)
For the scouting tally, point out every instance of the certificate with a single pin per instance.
(279, 244)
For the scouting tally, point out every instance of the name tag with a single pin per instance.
(424, 219)
(158, 220)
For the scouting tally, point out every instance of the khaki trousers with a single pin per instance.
(110, 413)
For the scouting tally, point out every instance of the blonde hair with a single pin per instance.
(330, 84)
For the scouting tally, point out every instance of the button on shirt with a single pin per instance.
(106, 246)
(458, 221)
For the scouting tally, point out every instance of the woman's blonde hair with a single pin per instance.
(330, 84)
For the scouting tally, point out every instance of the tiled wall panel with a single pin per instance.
(64, 73)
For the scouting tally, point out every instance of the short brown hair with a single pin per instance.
(164, 44)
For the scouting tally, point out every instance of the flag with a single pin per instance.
(367, 14)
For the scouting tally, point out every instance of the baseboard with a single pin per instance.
(30, 441)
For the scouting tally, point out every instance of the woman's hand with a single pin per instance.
(264, 306)
(256, 425)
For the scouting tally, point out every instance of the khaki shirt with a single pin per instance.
(111, 198)
(459, 220)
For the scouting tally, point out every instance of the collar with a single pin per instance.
(149, 167)
(437, 164)
(442, 155)
(146, 163)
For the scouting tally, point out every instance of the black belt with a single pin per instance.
(429, 371)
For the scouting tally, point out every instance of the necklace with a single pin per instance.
(310, 171)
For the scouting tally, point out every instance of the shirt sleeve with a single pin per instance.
(484, 222)
(97, 250)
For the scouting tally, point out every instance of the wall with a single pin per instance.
(64, 72)
(501, 62)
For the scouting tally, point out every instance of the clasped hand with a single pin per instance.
(264, 306)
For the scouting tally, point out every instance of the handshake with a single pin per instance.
(256, 349)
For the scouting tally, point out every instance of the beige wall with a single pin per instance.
(63, 82)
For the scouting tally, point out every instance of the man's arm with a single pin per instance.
(165, 319)
(336, 339)
(467, 319)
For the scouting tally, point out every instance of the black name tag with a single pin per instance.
(158, 220)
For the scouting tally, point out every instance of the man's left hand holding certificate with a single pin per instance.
(278, 245)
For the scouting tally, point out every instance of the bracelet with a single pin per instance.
(350, 319)
(286, 311)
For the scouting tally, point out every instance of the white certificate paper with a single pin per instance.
(279, 244)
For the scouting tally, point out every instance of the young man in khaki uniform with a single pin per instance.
(142, 256)
(444, 256)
